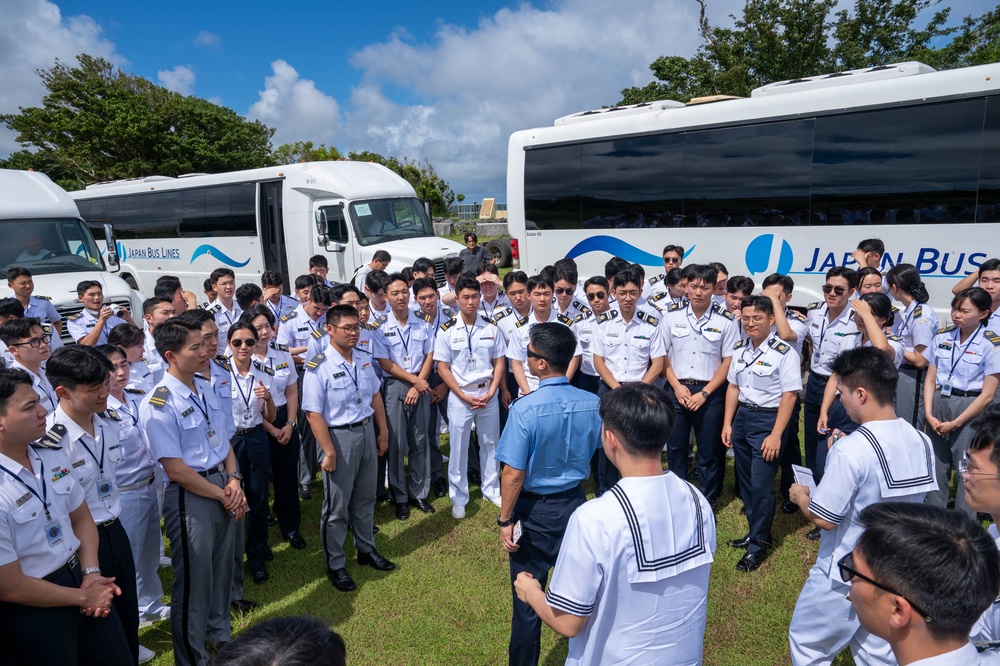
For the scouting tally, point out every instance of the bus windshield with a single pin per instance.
(44, 246)
(380, 220)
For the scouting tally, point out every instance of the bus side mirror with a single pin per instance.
(322, 228)
(112, 243)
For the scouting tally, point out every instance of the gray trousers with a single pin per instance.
(308, 460)
(201, 534)
(349, 493)
(948, 451)
(910, 397)
(408, 439)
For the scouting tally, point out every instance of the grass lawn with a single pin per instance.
(448, 602)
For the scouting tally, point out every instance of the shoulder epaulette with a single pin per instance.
(742, 342)
(264, 368)
(423, 316)
(278, 346)
(135, 391)
(371, 325)
(48, 327)
(655, 298)
(159, 397)
(607, 316)
(894, 337)
(110, 414)
(992, 337)
(778, 346)
(317, 334)
(814, 305)
(655, 279)
(674, 307)
(917, 311)
(795, 314)
(488, 320)
(381, 319)
(44, 298)
(582, 307)
(723, 311)
(448, 324)
(223, 362)
(653, 305)
(51, 439)
(503, 313)
(214, 309)
(894, 308)
(204, 306)
(563, 319)
(74, 317)
(521, 322)
(947, 328)
(315, 361)
(648, 318)
(448, 312)
(290, 316)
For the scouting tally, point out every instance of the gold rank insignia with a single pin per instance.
(159, 397)
(315, 361)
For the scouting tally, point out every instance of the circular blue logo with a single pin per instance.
(758, 255)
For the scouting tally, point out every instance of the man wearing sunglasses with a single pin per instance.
(597, 293)
(919, 577)
(673, 257)
(884, 459)
(568, 308)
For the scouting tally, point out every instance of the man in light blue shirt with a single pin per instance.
(550, 437)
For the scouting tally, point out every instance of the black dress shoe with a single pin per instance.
(789, 508)
(243, 606)
(814, 534)
(440, 488)
(271, 522)
(402, 511)
(268, 553)
(341, 579)
(260, 577)
(423, 505)
(743, 542)
(749, 562)
(374, 529)
(381, 498)
(304, 493)
(295, 540)
(375, 561)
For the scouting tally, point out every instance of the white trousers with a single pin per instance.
(460, 421)
(140, 517)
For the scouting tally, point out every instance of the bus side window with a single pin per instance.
(336, 224)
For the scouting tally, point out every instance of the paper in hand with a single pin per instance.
(804, 477)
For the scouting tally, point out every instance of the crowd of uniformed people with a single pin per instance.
(217, 416)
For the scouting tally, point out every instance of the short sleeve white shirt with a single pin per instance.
(697, 345)
(341, 391)
(182, 424)
(468, 350)
(628, 348)
(764, 374)
(94, 462)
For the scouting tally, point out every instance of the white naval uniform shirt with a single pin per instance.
(586, 330)
(248, 409)
(517, 348)
(181, 424)
(407, 344)
(470, 351)
(654, 286)
(137, 464)
(490, 310)
(298, 329)
(964, 365)
(220, 381)
(81, 324)
(799, 325)
(46, 394)
(697, 346)
(285, 305)
(224, 318)
(853, 341)
(880, 461)
(379, 316)
(42, 309)
(23, 521)
(764, 374)
(341, 391)
(638, 573)
(140, 376)
(575, 309)
(916, 325)
(987, 627)
(93, 461)
(506, 320)
(628, 348)
(967, 655)
(279, 361)
(826, 335)
(156, 364)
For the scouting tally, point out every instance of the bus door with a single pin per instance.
(272, 237)
(338, 249)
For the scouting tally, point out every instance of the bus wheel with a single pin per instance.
(130, 281)
(500, 249)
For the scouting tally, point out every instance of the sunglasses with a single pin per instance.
(847, 572)
(595, 295)
(239, 342)
(562, 291)
(837, 291)
(671, 260)
(532, 354)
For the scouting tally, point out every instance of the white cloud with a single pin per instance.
(296, 108)
(206, 38)
(34, 35)
(180, 79)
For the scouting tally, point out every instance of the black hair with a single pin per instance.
(18, 329)
(77, 365)
(271, 279)
(873, 245)
(979, 297)
(15, 272)
(289, 641)
(942, 561)
(166, 287)
(986, 432)
(881, 307)
(173, 334)
(304, 281)
(83, 286)
(536, 281)
(640, 270)
(599, 280)
(468, 235)
(673, 248)
(149, 305)
(566, 262)
(109, 350)
(868, 368)
(865, 272)
(337, 292)
(382, 256)
(706, 273)
(613, 266)
(247, 293)
(514, 276)
(906, 277)
(318, 261)
(220, 273)
(628, 276)
(376, 281)
(11, 307)
(207, 285)
(453, 266)
(566, 274)
(255, 311)
(407, 273)
(641, 416)
(487, 268)
(241, 325)
(197, 317)
(555, 343)
(549, 273)
(320, 294)
(466, 281)
(126, 335)
(338, 312)
(738, 283)
(719, 268)
(10, 379)
(674, 275)
(398, 277)
(423, 265)
(758, 303)
(423, 283)
(787, 283)
(989, 265)
(846, 273)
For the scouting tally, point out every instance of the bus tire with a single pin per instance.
(500, 249)
(130, 281)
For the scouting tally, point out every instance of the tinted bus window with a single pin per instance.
(988, 208)
(552, 187)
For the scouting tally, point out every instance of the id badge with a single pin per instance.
(53, 532)
(104, 488)
(946, 390)
(247, 417)
(213, 438)
(471, 363)
(406, 361)
(357, 398)
(816, 357)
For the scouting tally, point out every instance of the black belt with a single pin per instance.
(73, 563)
(108, 523)
(247, 431)
(356, 424)
(909, 366)
(692, 382)
(955, 393)
(752, 407)
(551, 496)
(220, 468)
(818, 377)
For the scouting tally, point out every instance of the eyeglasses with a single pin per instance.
(532, 354)
(595, 295)
(963, 468)
(626, 294)
(34, 343)
(348, 329)
(755, 320)
(563, 291)
(847, 572)
(837, 291)
(239, 342)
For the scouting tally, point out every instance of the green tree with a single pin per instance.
(304, 151)
(98, 123)
(430, 187)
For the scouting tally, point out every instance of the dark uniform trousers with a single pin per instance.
(254, 460)
(114, 554)
(284, 476)
(791, 452)
(62, 636)
(543, 522)
(707, 424)
(815, 445)
(436, 459)
(349, 493)
(756, 475)
(606, 475)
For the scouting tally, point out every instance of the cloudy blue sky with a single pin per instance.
(445, 81)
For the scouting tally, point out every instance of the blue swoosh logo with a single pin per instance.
(215, 252)
(616, 247)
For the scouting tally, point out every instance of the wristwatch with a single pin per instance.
(234, 475)
(292, 423)
(91, 570)
(704, 394)
(505, 523)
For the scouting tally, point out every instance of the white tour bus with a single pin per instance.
(43, 232)
(787, 180)
(263, 219)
